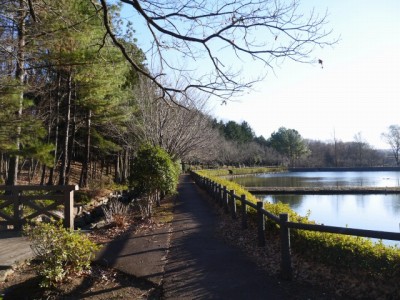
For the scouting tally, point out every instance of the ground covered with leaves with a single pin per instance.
(100, 283)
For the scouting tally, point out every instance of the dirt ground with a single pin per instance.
(101, 283)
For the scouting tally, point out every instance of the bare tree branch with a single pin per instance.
(208, 35)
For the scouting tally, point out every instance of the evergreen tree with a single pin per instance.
(289, 143)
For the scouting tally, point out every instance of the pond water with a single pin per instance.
(375, 212)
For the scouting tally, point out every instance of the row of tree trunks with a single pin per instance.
(19, 76)
(122, 166)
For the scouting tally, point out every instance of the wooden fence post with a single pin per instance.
(221, 199)
(17, 208)
(218, 199)
(69, 208)
(244, 211)
(233, 205)
(286, 261)
(213, 190)
(225, 200)
(260, 225)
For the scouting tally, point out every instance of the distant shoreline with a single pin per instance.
(330, 190)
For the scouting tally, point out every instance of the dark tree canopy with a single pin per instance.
(207, 44)
(240, 133)
(289, 143)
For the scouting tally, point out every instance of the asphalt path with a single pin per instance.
(201, 265)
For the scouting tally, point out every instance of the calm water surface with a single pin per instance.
(318, 179)
(376, 212)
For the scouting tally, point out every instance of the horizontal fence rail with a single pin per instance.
(227, 200)
(26, 207)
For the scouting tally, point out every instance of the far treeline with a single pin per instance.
(286, 147)
(74, 109)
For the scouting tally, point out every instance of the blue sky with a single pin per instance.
(357, 91)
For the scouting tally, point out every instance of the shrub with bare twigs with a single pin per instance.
(116, 212)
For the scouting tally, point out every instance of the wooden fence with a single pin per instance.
(20, 204)
(227, 199)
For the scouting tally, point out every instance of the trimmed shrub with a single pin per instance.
(61, 252)
(242, 171)
(154, 175)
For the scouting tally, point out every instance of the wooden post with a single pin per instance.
(233, 204)
(221, 195)
(286, 261)
(244, 211)
(260, 225)
(218, 198)
(221, 199)
(225, 201)
(69, 207)
(213, 189)
(17, 208)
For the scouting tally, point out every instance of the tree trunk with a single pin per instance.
(124, 165)
(71, 144)
(85, 164)
(64, 161)
(117, 176)
(55, 153)
(2, 165)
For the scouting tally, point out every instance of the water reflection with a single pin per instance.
(294, 201)
(375, 212)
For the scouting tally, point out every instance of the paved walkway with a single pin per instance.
(14, 249)
(201, 265)
(192, 261)
(142, 255)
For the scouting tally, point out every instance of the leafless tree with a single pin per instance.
(183, 130)
(208, 45)
(392, 137)
(361, 147)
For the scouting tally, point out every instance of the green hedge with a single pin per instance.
(332, 249)
(242, 171)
